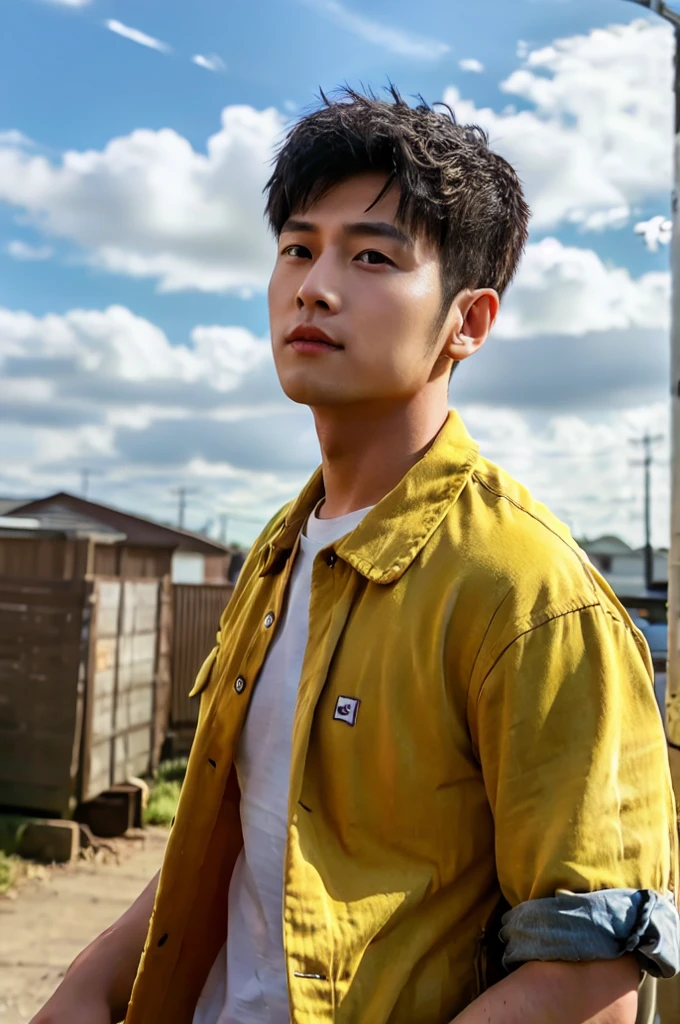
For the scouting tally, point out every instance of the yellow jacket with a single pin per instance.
(507, 745)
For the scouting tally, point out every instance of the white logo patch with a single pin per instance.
(346, 709)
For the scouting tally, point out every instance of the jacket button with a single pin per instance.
(269, 620)
(240, 684)
(331, 559)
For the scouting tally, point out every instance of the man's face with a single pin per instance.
(374, 292)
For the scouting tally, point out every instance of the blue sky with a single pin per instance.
(576, 93)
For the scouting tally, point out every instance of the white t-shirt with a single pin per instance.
(247, 983)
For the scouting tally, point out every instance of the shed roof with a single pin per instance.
(8, 505)
(63, 511)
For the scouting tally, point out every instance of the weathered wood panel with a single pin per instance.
(45, 557)
(146, 563)
(196, 620)
(122, 684)
(43, 641)
(163, 694)
(132, 561)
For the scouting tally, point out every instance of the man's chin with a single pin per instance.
(316, 393)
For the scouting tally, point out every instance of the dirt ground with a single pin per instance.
(49, 920)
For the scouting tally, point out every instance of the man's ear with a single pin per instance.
(476, 312)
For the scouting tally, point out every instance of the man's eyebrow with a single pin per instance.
(379, 229)
(372, 228)
(293, 224)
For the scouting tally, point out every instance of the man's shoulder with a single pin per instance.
(514, 547)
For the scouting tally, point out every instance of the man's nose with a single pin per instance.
(320, 287)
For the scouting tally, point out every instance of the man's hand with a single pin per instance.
(602, 992)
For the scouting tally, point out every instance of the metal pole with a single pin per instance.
(673, 683)
(649, 552)
(673, 676)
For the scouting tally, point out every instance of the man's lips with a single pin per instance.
(308, 339)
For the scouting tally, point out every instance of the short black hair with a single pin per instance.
(452, 187)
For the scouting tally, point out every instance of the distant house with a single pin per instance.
(623, 566)
(136, 546)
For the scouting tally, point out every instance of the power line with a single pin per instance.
(542, 458)
(224, 523)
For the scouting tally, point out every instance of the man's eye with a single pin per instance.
(373, 257)
(300, 251)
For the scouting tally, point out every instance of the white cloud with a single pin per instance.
(135, 36)
(15, 138)
(580, 467)
(656, 232)
(107, 390)
(211, 63)
(564, 290)
(601, 220)
(71, 3)
(596, 138)
(150, 206)
(19, 250)
(394, 40)
(592, 146)
(471, 64)
(118, 347)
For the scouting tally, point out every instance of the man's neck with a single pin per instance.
(367, 451)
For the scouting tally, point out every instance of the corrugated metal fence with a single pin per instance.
(196, 619)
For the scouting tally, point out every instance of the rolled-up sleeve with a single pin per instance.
(574, 927)
(575, 766)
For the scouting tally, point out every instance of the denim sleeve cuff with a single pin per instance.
(595, 926)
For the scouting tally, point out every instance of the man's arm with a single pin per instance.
(97, 986)
(602, 992)
(575, 766)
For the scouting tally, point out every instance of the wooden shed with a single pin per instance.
(84, 670)
(85, 649)
(144, 547)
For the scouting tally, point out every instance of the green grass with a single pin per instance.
(10, 863)
(8, 871)
(10, 826)
(172, 771)
(162, 803)
(164, 792)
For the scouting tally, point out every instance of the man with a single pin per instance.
(429, 780)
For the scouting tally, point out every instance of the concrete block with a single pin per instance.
(50, 842)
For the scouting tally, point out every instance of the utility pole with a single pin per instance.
(224, 526)
(182, 493)
(647, 441)
(673, 684)
(86, 475)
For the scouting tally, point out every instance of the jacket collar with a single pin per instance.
(388, 539)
